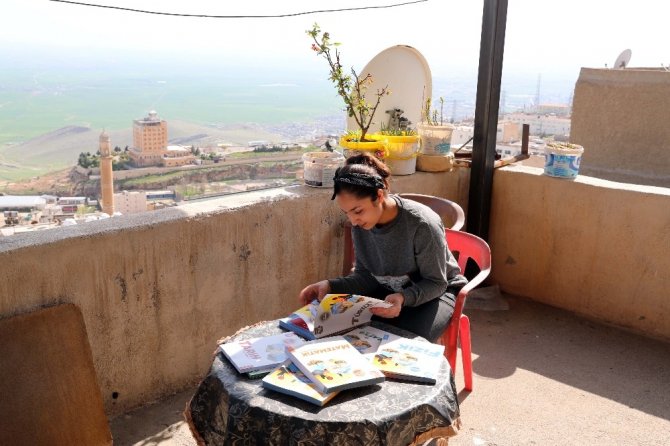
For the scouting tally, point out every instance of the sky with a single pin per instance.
(542, 36)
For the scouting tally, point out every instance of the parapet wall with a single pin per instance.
(157, 290)
(621, 118)
(591, 246)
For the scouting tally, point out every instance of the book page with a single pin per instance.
(337, 313)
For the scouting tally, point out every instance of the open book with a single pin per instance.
(335, 314)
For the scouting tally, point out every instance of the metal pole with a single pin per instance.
(491, 51)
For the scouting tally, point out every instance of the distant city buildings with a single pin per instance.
(130, 202)
(150, 145)
(542, 124)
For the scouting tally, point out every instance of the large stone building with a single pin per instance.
(150, 144)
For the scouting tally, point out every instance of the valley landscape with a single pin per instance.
(53, 110)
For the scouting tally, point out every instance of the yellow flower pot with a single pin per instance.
(401, 153)
(374, 147)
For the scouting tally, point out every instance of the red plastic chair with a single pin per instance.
(465, 246)
(451, 213)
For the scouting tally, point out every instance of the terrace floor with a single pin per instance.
(543, 376)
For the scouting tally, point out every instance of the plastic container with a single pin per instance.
(562, 160)
(401, 153)
(435, 139)
(319, 168)
(373, 147)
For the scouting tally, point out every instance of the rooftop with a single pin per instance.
(542, 376)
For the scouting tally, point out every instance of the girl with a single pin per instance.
(401, 252)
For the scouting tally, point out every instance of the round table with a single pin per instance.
(229, 408)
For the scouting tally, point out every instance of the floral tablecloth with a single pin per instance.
(231, 409)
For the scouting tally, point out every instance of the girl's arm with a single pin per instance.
(430, 252)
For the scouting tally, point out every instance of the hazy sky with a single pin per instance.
(542, 36)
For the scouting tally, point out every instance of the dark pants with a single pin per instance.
(427, 320)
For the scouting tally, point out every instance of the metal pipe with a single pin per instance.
(491, 51)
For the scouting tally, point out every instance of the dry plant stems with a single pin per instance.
(430, 116)
(351, 88)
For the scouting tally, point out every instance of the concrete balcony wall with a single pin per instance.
(595, 247)
(157, 290)
(621, 119)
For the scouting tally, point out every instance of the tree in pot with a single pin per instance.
(352, 88)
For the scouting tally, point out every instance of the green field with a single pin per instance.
(35, 103)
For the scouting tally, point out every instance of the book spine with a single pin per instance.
(308, 373)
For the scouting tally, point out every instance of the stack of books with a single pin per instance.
(319, 364)
(320, 369)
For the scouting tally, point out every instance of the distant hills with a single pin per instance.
(60, 148)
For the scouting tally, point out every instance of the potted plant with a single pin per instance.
(353, 89)
(401, 143)
(434, 131)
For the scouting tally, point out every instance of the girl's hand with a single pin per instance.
(314, 291)
(396, 299)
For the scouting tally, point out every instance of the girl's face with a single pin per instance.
(362, 212)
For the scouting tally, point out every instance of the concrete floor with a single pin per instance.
(542, 377)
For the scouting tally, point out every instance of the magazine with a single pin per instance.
(333, 364)
(259, 354)
(365, 339)
(335, 314)
(288, 379)
(409, 359)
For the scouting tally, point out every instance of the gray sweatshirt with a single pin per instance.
(409, 255)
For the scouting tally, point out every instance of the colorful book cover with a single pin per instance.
(300, 321)
(338, 313)
(267, 352)
(333, 364)
(409, 359)
(335, 314)
(288, 379)
(365, 339)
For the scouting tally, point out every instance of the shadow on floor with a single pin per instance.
(617, 365)
(158, 424)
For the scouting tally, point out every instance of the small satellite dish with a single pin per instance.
(622, 60)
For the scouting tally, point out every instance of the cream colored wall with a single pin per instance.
(158, 289)
(621, 118)
(595, 247)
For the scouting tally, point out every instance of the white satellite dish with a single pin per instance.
(623, 59)
(406, 72)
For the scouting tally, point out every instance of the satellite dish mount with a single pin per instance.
(621, 62)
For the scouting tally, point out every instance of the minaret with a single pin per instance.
(106, 175)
